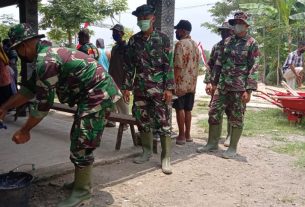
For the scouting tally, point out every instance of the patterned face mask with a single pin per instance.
(144, 25)
(238, 28)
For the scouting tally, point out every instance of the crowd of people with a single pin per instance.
(145, 66)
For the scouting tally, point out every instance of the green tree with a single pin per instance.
(66, 16)
(6, 21)
(277, 25)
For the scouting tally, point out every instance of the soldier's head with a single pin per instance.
(146, 17)
(240, 23)
(301, 46)
(83, 36)
(183, 29)
(225, 30)
(24, 40)
(117, 32)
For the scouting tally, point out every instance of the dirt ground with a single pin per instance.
(257, 177)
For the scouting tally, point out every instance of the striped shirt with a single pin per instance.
(293, 59)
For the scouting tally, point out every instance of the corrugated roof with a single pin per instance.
(4, 3)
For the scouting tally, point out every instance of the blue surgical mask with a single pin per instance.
(238, 28)
(116, 37)
(144, 25)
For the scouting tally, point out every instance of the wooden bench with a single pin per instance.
(115, 117)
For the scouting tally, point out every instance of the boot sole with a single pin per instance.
(205, 151)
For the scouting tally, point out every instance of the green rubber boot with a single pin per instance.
(214, 135)
(228, 138)
(231, 151)
(147, 143)
(166, 145)
(81, 192)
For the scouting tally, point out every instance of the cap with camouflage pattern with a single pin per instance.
(144, 10)
(22, 32)
(239, 16)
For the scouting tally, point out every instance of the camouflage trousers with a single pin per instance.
(85, 137)
(231, 102)
(152, 113)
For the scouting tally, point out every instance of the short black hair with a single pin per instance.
(301, 44)
(84, 33)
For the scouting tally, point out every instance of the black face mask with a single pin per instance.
(178, 37)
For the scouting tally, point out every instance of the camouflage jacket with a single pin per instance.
(76, 78)
(149, 64)
(217, 48)
(90, 50)
(236, 67)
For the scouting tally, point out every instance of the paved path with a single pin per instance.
(48, 148)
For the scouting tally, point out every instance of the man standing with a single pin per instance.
(186, 67)
(293, 66)
(150, 77)
(225, 32)
(116, 69)
(78, 80)
(85, 46)
(234, 74)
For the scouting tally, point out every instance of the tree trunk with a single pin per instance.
(69, 37)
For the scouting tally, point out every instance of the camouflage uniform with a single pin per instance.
(149, 74)
(77, 79)
(235, 72)
(90, 50)
(216, 50)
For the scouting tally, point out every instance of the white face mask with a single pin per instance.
(238, 28)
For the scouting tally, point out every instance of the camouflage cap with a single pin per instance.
(144, 10)
(118, 27)
(225, 26)
(22, 32)
(239, 16)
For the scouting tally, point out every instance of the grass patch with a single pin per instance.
(296, 149)
(265, 121)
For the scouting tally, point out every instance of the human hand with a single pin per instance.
(208, 88)
(2, 114)
(213, 90)
(245, 98)
(21, 136)
(126, 96)
(167, 96)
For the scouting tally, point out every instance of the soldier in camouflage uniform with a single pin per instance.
(225, 31)
(151, 78)
(235, 75)
(78, 80)
(85, 46)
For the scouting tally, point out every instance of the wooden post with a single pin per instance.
(28, 12)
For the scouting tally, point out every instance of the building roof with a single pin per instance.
(4, 3)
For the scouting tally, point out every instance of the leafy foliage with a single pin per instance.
(277, 25)
(66, 16)
(6, 22)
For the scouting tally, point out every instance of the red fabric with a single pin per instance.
(203, 56)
